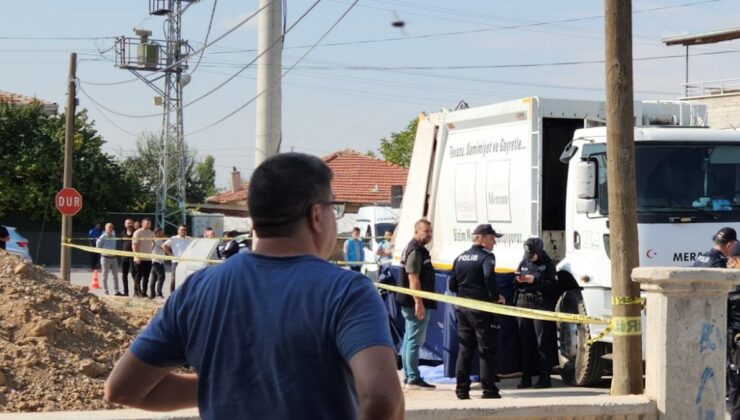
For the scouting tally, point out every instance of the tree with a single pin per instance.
(32, 148)
(203, 183)
(200, 177)
(399, 147)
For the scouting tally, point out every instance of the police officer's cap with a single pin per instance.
(725, 235)
(486, 229)
(532, 246)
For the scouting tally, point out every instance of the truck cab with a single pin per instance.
(688, 187)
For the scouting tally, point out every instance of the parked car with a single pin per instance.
(18, 244)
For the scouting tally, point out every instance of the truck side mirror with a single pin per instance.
(586, 179)
(586, 187)
(568, 152)
(585, 205)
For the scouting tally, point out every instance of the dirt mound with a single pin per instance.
(57, 341)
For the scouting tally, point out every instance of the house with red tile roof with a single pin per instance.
(362, 180)
(14, 99)
(359, 180)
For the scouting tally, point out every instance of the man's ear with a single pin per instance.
(314, 219)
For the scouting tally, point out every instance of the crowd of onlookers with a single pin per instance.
(152, 247)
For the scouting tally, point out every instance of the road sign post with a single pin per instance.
(69, 202)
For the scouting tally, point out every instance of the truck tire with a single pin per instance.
(580, 364)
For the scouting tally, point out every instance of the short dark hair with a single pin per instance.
(282, 189)
(356, 229)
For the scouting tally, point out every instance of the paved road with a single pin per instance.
(83, 277)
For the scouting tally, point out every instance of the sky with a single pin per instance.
(365, 80)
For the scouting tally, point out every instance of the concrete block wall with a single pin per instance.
(723, 111)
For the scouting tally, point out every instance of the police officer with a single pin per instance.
(717, 256)
(733, 337)
(726, 245)
(536, 287)
(473, 277)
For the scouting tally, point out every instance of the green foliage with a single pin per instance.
(399, 147)
(200, 177)
(203, 182)
(32, 149)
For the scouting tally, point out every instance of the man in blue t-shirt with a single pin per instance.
(354, 251)
(278, 333)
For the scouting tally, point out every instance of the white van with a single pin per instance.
(373, 221)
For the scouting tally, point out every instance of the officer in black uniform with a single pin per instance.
(726, 245)
(473, 277)
(536, 287)
(717, 256)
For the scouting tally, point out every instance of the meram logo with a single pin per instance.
(685, 256)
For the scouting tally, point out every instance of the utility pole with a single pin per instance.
(620, 152)
(268, 132)
(69, 133)
(166, 56)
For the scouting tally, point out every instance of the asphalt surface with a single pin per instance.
(84, 276)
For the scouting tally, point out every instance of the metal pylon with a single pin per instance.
(171, 189)
(171, 186)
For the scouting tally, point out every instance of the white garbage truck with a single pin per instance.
(537, 167)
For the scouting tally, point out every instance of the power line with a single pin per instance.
(122, 82)
(56, 38)
(222, 84)
(113, 111)
(185, 58)
(455, 33)
(220, 37)
(109, 120)
(246, 66)
(286, 72)
(525, 24)
(507, 66)
(208, 32)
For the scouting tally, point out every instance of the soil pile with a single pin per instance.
(57, 341)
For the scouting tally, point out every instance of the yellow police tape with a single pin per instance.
(627, 325)
(224, 238)
(117, 238)
(117, 253)
(627, 300)
(621, 325)
(496, 308)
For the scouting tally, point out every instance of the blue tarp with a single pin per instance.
(441, 342)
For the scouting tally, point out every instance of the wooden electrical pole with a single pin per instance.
(620, 152)
(69, 132)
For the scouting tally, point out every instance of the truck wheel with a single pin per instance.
(580, 364)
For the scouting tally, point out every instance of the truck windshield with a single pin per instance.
(680, 178)
(687, 177)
